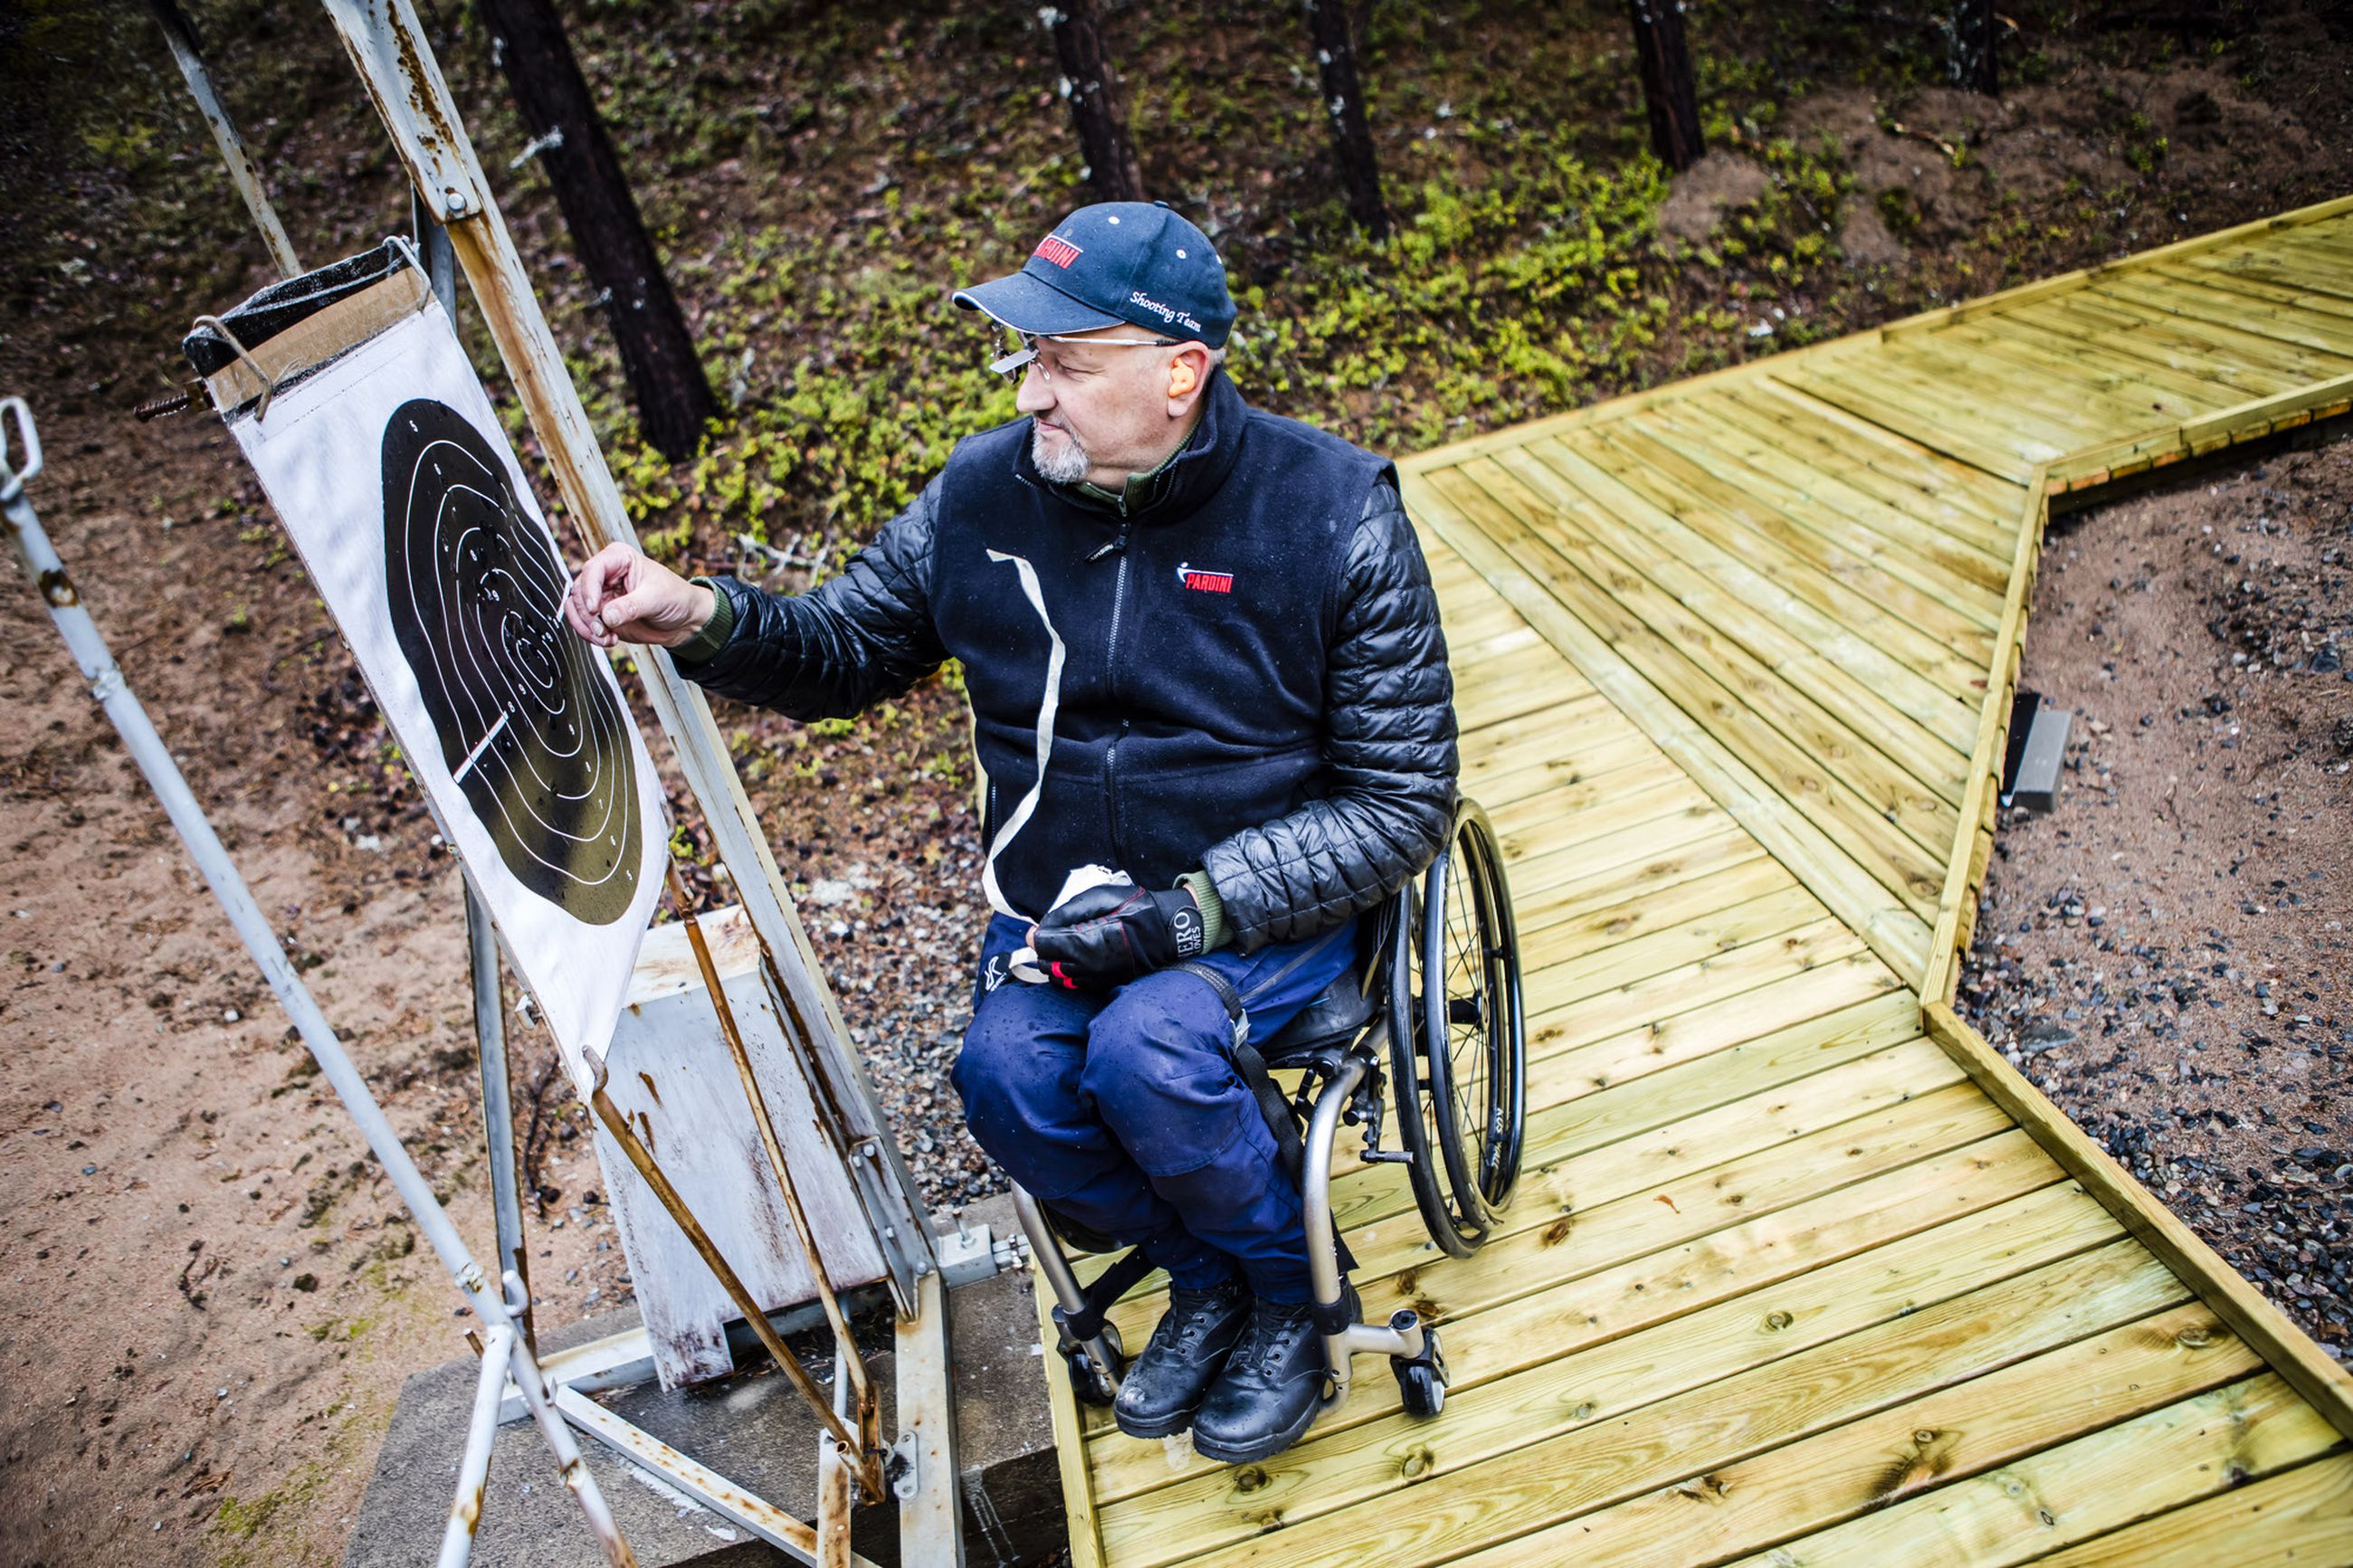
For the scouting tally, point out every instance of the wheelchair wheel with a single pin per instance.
(1478, 1054)
(1457, 1039)
(1421, 1382)
(1090, 1381)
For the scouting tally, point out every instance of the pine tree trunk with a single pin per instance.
(1668, 94)
(666, 378)
(1344, 102)
(1098, 109)
(1973, 36)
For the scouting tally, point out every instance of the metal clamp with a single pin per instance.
(12, 477)
(269, 382)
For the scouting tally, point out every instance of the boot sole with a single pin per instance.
(1265, 1447)
(1166, 1426)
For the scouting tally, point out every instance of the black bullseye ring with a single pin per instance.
(534, 738)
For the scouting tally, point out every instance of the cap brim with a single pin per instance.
(1027, 305)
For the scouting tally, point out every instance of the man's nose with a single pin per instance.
(1035, 394)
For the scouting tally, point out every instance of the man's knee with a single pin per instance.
(1157, 1069)
(1011, 1078)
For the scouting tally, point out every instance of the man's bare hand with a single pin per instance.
(623, 596)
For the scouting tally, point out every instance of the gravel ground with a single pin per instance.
(2163, 955)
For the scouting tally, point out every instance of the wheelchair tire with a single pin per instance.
(1478, 1028)
(1090, 1383)
(1415, 1116)
(1421, 1382)
(1457, 1039)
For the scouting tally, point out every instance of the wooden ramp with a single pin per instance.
(1801, 1272)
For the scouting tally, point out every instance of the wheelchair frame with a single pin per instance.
(1349, 1092)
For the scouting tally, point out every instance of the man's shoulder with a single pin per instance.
(1293, 438)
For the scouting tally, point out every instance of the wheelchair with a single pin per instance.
(1433, 1008)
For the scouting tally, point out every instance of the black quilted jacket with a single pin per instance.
(1236, 668)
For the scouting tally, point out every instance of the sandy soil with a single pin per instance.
(2164, 953)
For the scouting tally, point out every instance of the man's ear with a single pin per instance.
(1188, 372)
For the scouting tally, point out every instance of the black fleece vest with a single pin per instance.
(1169, 663)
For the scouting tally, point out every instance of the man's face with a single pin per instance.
(1102, 412)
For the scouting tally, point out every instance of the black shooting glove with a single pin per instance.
(1103, 938)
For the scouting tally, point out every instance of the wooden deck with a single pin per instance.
(1800, 1272)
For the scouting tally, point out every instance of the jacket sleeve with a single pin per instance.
(1388, 754)
(857, 637)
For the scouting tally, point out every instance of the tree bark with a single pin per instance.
(1973, 36)
(1668, 94)
(1343, 105)
(1098, 109)
(666, 378)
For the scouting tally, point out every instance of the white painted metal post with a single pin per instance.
(164, 776)
(474, 1469)
(243, 172)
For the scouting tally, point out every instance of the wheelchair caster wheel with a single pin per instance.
(1421, 1382)
(1090, 1380)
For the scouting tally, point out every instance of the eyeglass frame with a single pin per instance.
(1026, 355)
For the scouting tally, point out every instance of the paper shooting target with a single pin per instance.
(534, 738)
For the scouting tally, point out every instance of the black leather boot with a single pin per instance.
(1164, 1387)
(1271, 1387)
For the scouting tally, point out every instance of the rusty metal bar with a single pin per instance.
(243, 172)
(846, 1352)
(729, 1281)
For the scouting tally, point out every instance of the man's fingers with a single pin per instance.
(606, 570)
(626, 609)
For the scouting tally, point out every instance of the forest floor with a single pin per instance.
(212, 1294)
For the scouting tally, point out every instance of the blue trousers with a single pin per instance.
(1124, 1112)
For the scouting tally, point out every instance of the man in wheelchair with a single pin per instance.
(1207, 674)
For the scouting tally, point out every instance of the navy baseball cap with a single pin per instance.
(1115, 264)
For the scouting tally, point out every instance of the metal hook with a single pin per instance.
(12, 478)
(269, 384)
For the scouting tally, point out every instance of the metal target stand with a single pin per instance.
(459, 226)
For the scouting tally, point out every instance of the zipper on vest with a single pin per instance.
(1111, 795)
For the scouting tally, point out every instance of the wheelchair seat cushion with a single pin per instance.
(1332, 1020)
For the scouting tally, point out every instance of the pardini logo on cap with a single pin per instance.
(1205, 581)
(1058, 250)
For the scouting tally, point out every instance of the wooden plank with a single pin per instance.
(2194, 1448)
(1514, 685)
(2129, 324)
(2258, 417)
(1601, 1008)
(1070, 1442)
(1863, 838)
(2191, 391)
(1965, 556)
(1630, 900)
(1615, 755)
(2015, 1285)
(2313, 332)
(1697, 487)
(1753, 1499)
(1535, 824)
(1986, 756)
(1737, 425)
(2006, 1173)
(2009, 300)
(2288, 1350)
(2303, 1515)
(2145, 339)
(2037, 405)
(1581, 1165)
(1846, 1387)
(1903, 713)
(1575, 966)
(931, 1522)
(1893, 932)
(1851, 385)
(1614, 854)
(1987, 495)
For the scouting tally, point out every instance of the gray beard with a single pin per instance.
(1064, 465)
